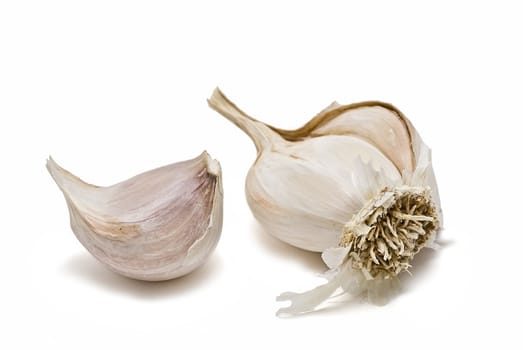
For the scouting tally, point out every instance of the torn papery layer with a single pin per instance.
(341, 280)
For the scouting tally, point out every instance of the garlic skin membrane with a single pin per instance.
(159, 225)
(331, 185)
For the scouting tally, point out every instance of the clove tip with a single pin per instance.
(213, 166)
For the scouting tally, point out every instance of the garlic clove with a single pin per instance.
(155, 226)
(356, 180)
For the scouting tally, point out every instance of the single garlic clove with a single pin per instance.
(155, 226)
(357, 177)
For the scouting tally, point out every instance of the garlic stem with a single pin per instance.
(260, 134)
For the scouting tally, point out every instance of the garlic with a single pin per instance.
(155, 226)
(355, 182)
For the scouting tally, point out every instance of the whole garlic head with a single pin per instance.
(356, 183)
(155, 226)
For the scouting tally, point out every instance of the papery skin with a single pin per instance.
(156, 226)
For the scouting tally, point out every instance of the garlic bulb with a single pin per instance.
(155, 226)
(355, 182)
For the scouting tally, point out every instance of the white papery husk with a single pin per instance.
(309, 186)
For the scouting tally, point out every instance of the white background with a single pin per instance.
(114, 88)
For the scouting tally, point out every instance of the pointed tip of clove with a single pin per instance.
(49, 162)
(213, 166)
(51, 166)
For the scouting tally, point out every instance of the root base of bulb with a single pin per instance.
(386, 234)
